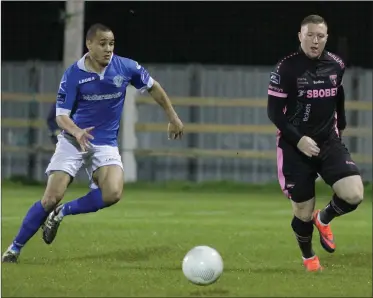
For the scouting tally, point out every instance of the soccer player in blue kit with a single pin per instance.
(89, 108)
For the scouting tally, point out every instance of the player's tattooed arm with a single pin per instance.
(175, 126)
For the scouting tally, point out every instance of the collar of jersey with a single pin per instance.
(81, 64)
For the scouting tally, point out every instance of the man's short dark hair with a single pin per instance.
(313, 19)
(91, 33)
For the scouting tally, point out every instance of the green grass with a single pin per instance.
(136, 248)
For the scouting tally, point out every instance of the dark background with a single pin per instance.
(251, 33)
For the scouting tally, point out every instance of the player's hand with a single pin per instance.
(308, 146)
(83, 136)
(175, 129)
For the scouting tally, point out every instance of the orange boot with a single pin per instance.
(326, 235)
(312, 264)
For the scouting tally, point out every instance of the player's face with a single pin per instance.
(101, 47)
(313, 39)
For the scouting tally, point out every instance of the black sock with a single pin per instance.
(303, 232)
(335, 208)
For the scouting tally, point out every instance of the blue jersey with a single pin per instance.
(92, 99)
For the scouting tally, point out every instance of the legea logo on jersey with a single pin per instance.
(321, 93)
(86, 80)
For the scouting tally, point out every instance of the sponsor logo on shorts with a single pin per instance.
(322, 93)
(111, 159)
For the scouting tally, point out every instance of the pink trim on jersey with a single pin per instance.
(280, 173)
(277, 94)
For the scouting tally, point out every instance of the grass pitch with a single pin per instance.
(136, 247)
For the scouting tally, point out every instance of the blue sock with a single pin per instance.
(91, 202)
(34, 218)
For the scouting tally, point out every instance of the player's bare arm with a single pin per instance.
(82, 135)
(175, 126)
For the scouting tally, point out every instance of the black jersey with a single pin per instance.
(306, 97)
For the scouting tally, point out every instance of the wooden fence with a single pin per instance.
(362, 132)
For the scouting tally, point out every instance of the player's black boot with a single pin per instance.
(51, 225)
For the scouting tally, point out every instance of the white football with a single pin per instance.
(202, 265)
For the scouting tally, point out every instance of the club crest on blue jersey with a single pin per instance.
(118, 81)
(333, 79)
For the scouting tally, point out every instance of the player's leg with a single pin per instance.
(64, 164)
(340, 172)
(110, 182)
(106, 166)
(37, 214)
(297, 179)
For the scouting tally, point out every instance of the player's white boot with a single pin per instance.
(52, 224)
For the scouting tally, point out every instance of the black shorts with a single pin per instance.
(297, 173)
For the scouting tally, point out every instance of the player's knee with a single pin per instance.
(112, 195)
(304, 210)
(354, 196)
(353, 193)
(350, 189)
(57, 184)
(51, 199)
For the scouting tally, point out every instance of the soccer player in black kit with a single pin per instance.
(306, 103)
